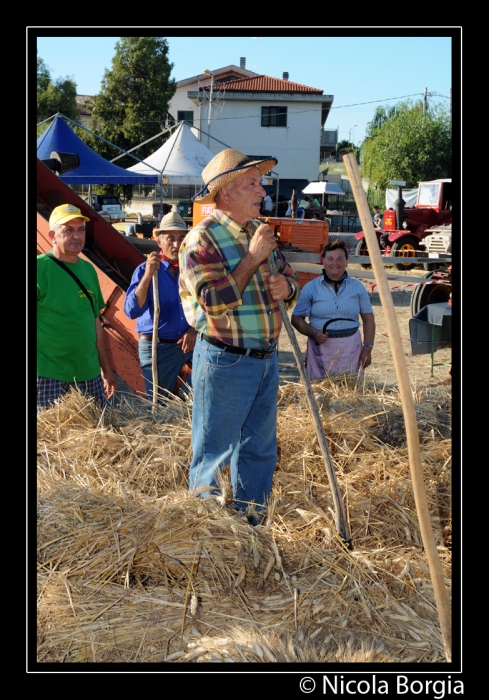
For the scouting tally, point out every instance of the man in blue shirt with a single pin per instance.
(176, 339)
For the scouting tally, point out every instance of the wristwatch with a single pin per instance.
(368, 345)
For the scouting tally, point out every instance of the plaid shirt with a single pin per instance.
(210, 296)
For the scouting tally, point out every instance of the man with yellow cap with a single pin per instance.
(70, 341)
(176, 339)
(231, 298)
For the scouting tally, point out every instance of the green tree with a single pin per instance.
(348, 147)
(132, 105)
(54, 96)
(406, 143)
(43, 75)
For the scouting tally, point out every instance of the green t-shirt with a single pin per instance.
(66, 335)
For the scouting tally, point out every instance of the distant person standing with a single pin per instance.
(376, 217)
(301, 209)
(267, 205)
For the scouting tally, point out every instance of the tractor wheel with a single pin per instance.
(405, 248)
(361, 249)
(425, 294)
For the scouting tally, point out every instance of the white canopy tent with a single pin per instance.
(323, 188)
(180, 160)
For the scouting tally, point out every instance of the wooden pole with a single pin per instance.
(154, 353)
(412, 435)
(342, 527)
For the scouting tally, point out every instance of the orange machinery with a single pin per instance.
(299, 239)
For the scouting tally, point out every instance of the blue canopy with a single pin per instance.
(93, 170)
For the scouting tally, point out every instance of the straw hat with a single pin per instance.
(225, 167)
(171, 222)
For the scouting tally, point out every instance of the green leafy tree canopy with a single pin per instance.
(54, 96)
(132, 105)
(348, 147)
(408, 143)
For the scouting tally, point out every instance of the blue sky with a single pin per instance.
(361, 72)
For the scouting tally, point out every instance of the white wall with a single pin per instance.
(180, 101)
(238, 124)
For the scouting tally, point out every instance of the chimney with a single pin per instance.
(242, 62)
(285, 76)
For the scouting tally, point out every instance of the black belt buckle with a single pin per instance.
(261, 354)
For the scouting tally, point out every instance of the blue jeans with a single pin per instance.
(234, 420)
(171, 359)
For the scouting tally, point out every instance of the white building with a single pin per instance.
(260, 116)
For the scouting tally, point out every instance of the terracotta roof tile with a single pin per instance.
(263, 83)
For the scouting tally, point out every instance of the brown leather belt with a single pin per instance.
(146, 336)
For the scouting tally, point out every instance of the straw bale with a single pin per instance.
(131, 567)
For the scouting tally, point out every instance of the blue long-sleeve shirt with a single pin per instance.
(172, 323)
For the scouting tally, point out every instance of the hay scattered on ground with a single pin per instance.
(131, 568)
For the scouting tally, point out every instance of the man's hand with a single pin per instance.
(108, 376)
(187, 341)
(152, 264)
(110, 383)
(260, 246)
(262, 243)
(278, 286)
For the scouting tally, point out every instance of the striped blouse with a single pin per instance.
(319, 303)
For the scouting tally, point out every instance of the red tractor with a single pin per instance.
(405, 227)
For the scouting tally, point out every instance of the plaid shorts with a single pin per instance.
(48, 390)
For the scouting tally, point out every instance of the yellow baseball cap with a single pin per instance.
(65, 213)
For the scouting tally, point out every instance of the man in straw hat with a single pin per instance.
(71, 349)
(176, 339)
(230, 297)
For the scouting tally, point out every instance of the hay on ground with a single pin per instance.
(131, 567)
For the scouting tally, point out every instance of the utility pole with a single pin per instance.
(211, 75)
(425, 101)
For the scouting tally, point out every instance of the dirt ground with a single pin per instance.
(382, 369)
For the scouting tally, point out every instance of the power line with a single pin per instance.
(300, 111)
(388, 99)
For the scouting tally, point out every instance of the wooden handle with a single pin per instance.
(436, 571)
(342, 527)
(154, 349)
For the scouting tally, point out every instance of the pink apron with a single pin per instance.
(334, 356)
